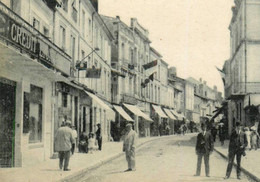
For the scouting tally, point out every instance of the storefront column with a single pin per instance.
(19, 123)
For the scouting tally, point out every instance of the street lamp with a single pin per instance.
(80, 64)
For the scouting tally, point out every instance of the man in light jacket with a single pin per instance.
(63, 143)
(129, 147)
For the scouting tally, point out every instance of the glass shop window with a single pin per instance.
(32, 123)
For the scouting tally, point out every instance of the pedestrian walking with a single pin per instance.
(204, 147)
(248, 137)
(75, 136)
(129, 147)
(221, 133)
(99, 137)
(63, 143)
(214, 133)
(254, 138)
(237, 145)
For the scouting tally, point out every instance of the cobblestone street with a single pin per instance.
(167, 159)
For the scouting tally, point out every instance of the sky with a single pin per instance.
(191, 35)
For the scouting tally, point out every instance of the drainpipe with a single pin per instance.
(245, 48)
(79, 40)
(92, 16)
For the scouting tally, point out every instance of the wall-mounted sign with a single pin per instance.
(22, 35)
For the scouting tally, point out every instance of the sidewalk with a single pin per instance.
(49, 171)
(249, 163)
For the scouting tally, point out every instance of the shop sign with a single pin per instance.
(129, 99)
(22, 35)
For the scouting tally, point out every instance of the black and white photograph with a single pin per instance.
(129, 90)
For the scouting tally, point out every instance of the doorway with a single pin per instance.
(7, 123)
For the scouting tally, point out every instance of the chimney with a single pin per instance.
(200, 80)
(215, 88)
(118, 17)
(204, 82)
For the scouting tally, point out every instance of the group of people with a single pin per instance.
(66, 139)
(87, 142)
(205, 145)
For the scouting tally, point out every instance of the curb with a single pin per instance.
(79, 174)
(242, 169)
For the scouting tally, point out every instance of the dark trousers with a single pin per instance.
(99, 143)
(206, 162)
(231, 157)
(72, 148)
(64, 156)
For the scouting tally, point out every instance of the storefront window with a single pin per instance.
(32, 123)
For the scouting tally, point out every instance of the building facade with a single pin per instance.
(241, 70)
(206, 101)
(43, 47)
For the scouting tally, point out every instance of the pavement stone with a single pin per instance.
(249, 164)
(79, 163)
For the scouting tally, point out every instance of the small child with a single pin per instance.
(91, 143)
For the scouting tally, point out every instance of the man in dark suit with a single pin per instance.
(204, 148)
(99, 136)
(237, 145)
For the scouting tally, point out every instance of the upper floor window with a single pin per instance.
(89, 26)
(46, 31)
(65, 5)
(123, 50)
(62, 38)
(72, 46)
(83, 23)
(74, 13)
(36, 23)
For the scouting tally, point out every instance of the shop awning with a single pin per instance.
(137, 111)
(110, 112)
(122, 112)
(159, 111)
(168, 112)
(179, 116)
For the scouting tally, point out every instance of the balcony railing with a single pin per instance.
(242, 88)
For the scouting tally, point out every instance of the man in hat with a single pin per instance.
(129, 146)
(99, 136)
(237, 145)
(204, 147)
(63, 142)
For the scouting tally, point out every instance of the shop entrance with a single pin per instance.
(7, 123)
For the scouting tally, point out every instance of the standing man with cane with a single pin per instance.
(237, 145)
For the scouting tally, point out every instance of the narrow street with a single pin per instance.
(168, 159)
